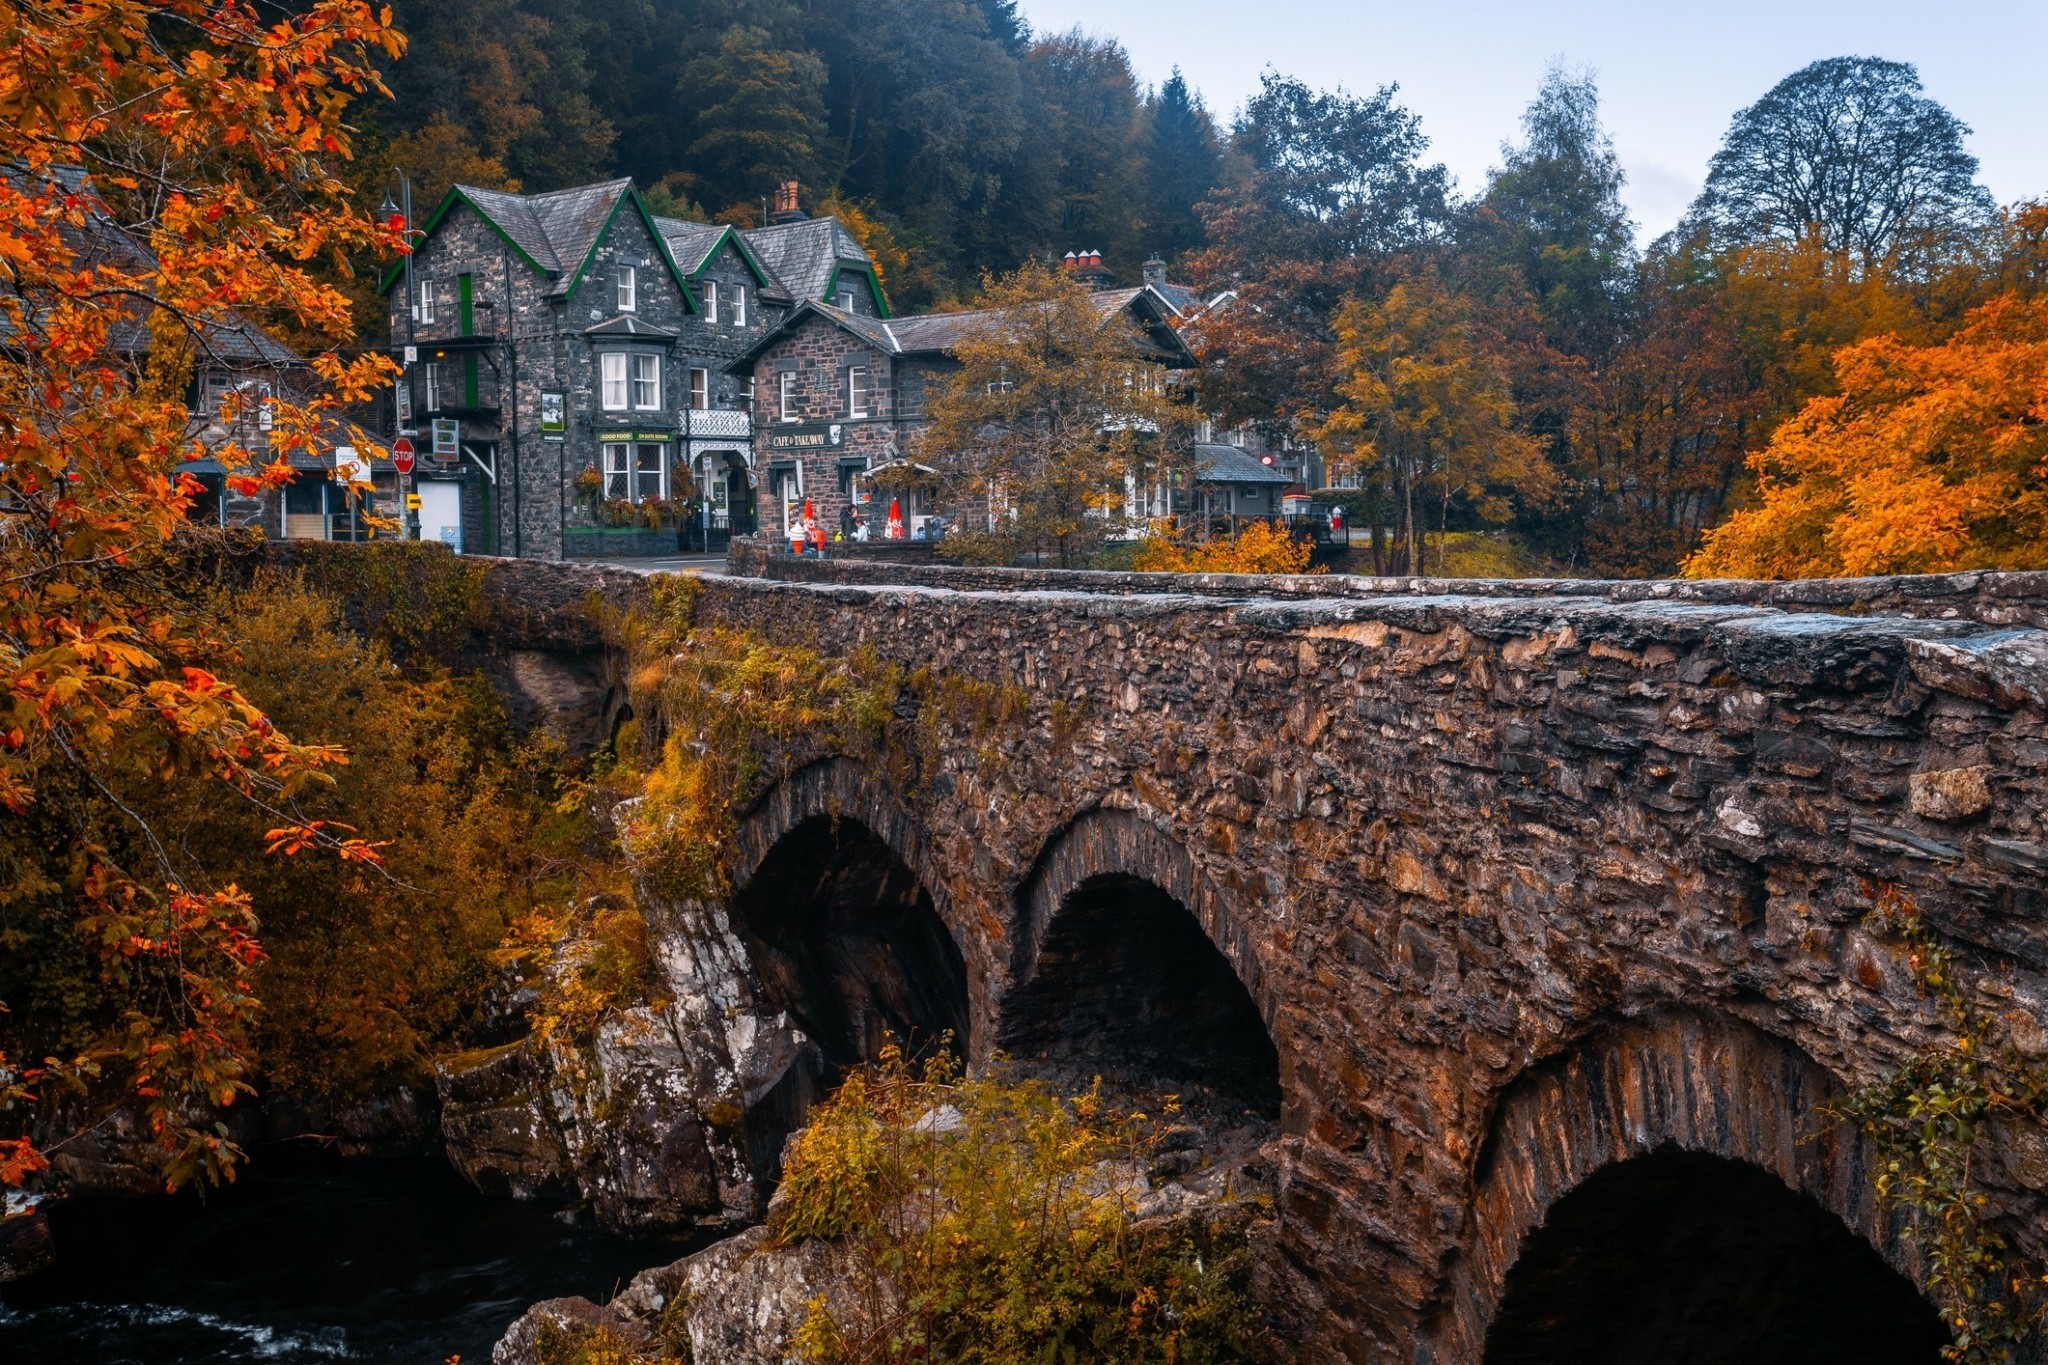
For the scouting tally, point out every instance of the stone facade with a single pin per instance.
(813, 454)
(526, 300)
(1524, 880)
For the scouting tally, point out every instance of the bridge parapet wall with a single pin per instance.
(2000, 599)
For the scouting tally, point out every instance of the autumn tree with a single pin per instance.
(1849, 149)
(1425, 411)
(1930, 459)
(1054, 417)
(1328, 189)
(170, 180)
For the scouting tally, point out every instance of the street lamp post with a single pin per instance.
(402, 211)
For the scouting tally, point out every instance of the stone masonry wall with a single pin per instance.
(1465, 848)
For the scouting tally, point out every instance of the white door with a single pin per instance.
(441, 512)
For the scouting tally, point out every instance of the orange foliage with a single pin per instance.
(1261, 547)
(1931, 458)
(167, 179)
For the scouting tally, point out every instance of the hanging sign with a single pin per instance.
(447, 438)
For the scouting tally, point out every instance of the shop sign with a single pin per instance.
(808, 436)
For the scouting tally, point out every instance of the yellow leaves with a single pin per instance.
(1932, 459)
(1260, 547)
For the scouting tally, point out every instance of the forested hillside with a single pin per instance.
(1502, 355)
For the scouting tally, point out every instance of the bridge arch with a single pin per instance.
(1125, 962)
(847, 931)
(1675, 1163)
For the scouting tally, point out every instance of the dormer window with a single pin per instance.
(629, 288)
(711, 300)
(846, 300)
(739, 305)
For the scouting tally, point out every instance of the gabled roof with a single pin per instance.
(1228, 464)
(941, 333)
(808, 256)
(696, 245)
(556, 233)
(574, 221)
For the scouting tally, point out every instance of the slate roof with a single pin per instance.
(1228, 464)
(940, 333)
(689, 242)
(516, 219)
(628, 325)
(805, 255)
(572, 219)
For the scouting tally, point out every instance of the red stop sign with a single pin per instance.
(401, 454)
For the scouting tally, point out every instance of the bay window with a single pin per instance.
(635, 471)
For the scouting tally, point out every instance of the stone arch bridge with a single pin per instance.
(1532, 916)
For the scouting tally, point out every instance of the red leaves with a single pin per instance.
(243, 125)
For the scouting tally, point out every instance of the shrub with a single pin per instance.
(994, 1221)
(1261, 547)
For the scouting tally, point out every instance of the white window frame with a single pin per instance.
(430, 384)
(846, 300)
(613, 391)
(429, 291)
(857, 395)
(623, 473)
(711, 300)
(645, 373)
(629, 288)
(739, 305)
(787, 385)
(700, 389)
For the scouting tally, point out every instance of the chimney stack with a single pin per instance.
(786, 209)
(1155, 273)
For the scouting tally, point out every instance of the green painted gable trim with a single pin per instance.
(660, 244)
(448, 202)
(739, 244)
(874, 286)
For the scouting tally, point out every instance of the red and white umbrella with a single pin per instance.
(895, 530)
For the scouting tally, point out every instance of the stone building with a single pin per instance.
(842, 392)
(568, 365)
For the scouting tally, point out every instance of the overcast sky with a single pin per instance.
(1670, 74)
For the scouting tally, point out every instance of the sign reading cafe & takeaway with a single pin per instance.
(819, 436)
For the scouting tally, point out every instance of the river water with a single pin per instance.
(395, 1262)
